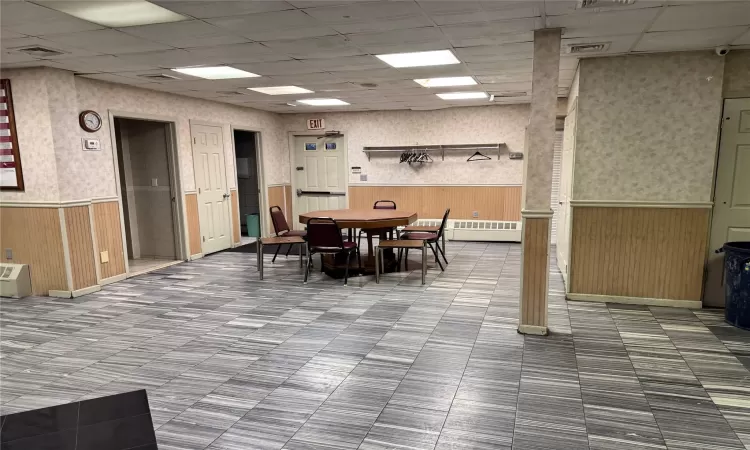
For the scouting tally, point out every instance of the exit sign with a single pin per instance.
(315, 124)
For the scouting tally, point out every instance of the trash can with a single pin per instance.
(737, 284)
(253, 225)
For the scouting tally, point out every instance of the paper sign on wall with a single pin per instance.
(315, 124)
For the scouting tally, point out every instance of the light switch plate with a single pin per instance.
(104, 256)
(154, 182)
(363, 177)
(91, 145)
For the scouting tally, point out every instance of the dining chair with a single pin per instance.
(430, 239)
(324, 237)
(380, 204)
(281, 228)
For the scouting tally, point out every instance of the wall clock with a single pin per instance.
(90, 120)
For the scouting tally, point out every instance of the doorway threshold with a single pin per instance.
(140, 266)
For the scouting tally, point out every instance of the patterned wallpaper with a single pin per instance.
(648, 127)
(737, 74)
(471, 125)
(30, 102)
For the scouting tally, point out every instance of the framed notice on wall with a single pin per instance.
(11, 175)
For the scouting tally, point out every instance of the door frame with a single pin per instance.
(292, 135)
(175, 180)
(226, 172)
(569, 212)
(263, 194)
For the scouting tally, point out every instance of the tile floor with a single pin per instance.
(233, 363)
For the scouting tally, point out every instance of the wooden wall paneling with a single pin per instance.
(193, 223)
(288, 210)
(35, 237)
(430, 202)
(235, 217)
(276, 197)
(108, 231)
(535, 271)
(639, 252)
(80, 246)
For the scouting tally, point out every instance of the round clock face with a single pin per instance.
(90, 121)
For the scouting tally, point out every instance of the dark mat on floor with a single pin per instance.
(268, 249)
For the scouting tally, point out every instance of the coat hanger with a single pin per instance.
(477, 156)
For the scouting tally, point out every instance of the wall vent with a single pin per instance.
(478, 230)
(512, 94)
(602, 3)
(588, 48)
(39, 52)
(159, 76)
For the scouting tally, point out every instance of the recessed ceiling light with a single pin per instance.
(461, 95)
(446, 81)
(117, 14)
(420, 59)
(323, 102)
(281, 90)
(216, 73)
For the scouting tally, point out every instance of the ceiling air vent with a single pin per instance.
(588, 48)
(602, 3)
(159, 77)
(39, 52)
(512, 94)
(369, 85)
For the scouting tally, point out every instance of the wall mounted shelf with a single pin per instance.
(441, 149)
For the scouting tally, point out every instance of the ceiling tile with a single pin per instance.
(7, 34)
(743, 40)
(685, 40)
(114, 78)
(207, 10)
(235, 53)
(494, 33)
(34, 20)
(398, 41)
(563, 7)
(370, 17)
(194, 33)
(489, 53)
(320, 47)
(703, 15)
(505, 78)
(69, 50)
(107, 41)
(615, 22)
(292, 24)
(445, 13)
(617, 44)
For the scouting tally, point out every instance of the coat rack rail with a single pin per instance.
(441, 149)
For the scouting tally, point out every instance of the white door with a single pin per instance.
(731, 218)
(319, 174)
(211, 182)
(565, 192)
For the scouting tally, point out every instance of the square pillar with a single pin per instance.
(536, 214)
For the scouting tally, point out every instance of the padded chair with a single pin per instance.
(281, 228)
(380, 204)
(430, 239)
(324, 237)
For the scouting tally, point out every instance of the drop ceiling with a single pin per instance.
(328, 46)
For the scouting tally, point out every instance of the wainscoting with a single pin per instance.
(645, 252)
(281, 196)
(491, 202)
(108, 229)
(193, 223)
(35, 237)
(536, 237)
(80, 247)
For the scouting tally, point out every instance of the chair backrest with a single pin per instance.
(278, 220)
(444, 222)
(323, 233)
(384, 204)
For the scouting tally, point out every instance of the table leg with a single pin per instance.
(369, 247)
(300, 254)
(259, 250)
(424, 262)
(260, 260)
(377, 265)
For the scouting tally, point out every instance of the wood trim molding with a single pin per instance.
(648, 253)
(193, 223)
(534, 275)
(490, 202)
(690, 304)
(54, 204)
(235, 216)
(637, 204)
(80, 243)
(108, 231)
(537, 214)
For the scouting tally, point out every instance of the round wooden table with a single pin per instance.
(365, 219)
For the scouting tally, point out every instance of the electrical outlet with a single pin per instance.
(154, 182)
(8, 253)
(104, 256)
(475, 214)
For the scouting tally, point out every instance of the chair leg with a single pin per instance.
(278, 247)
(406, 259)
(437, 260)
(424, 264)
(359, 238)
(346, 271)
(377, 264)
(442, 252)
(288, 250)
(300, 254)
(307, 266)
(321, 263)
(359, 259)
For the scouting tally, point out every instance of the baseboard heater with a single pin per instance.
(478, 230)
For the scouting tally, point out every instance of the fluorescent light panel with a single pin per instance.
(420, 59)
(216, 72)
(446, 81)
(461, 95)
(117, 14)
(281, 90)
(323, 102)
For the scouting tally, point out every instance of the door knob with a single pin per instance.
(226, 195)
